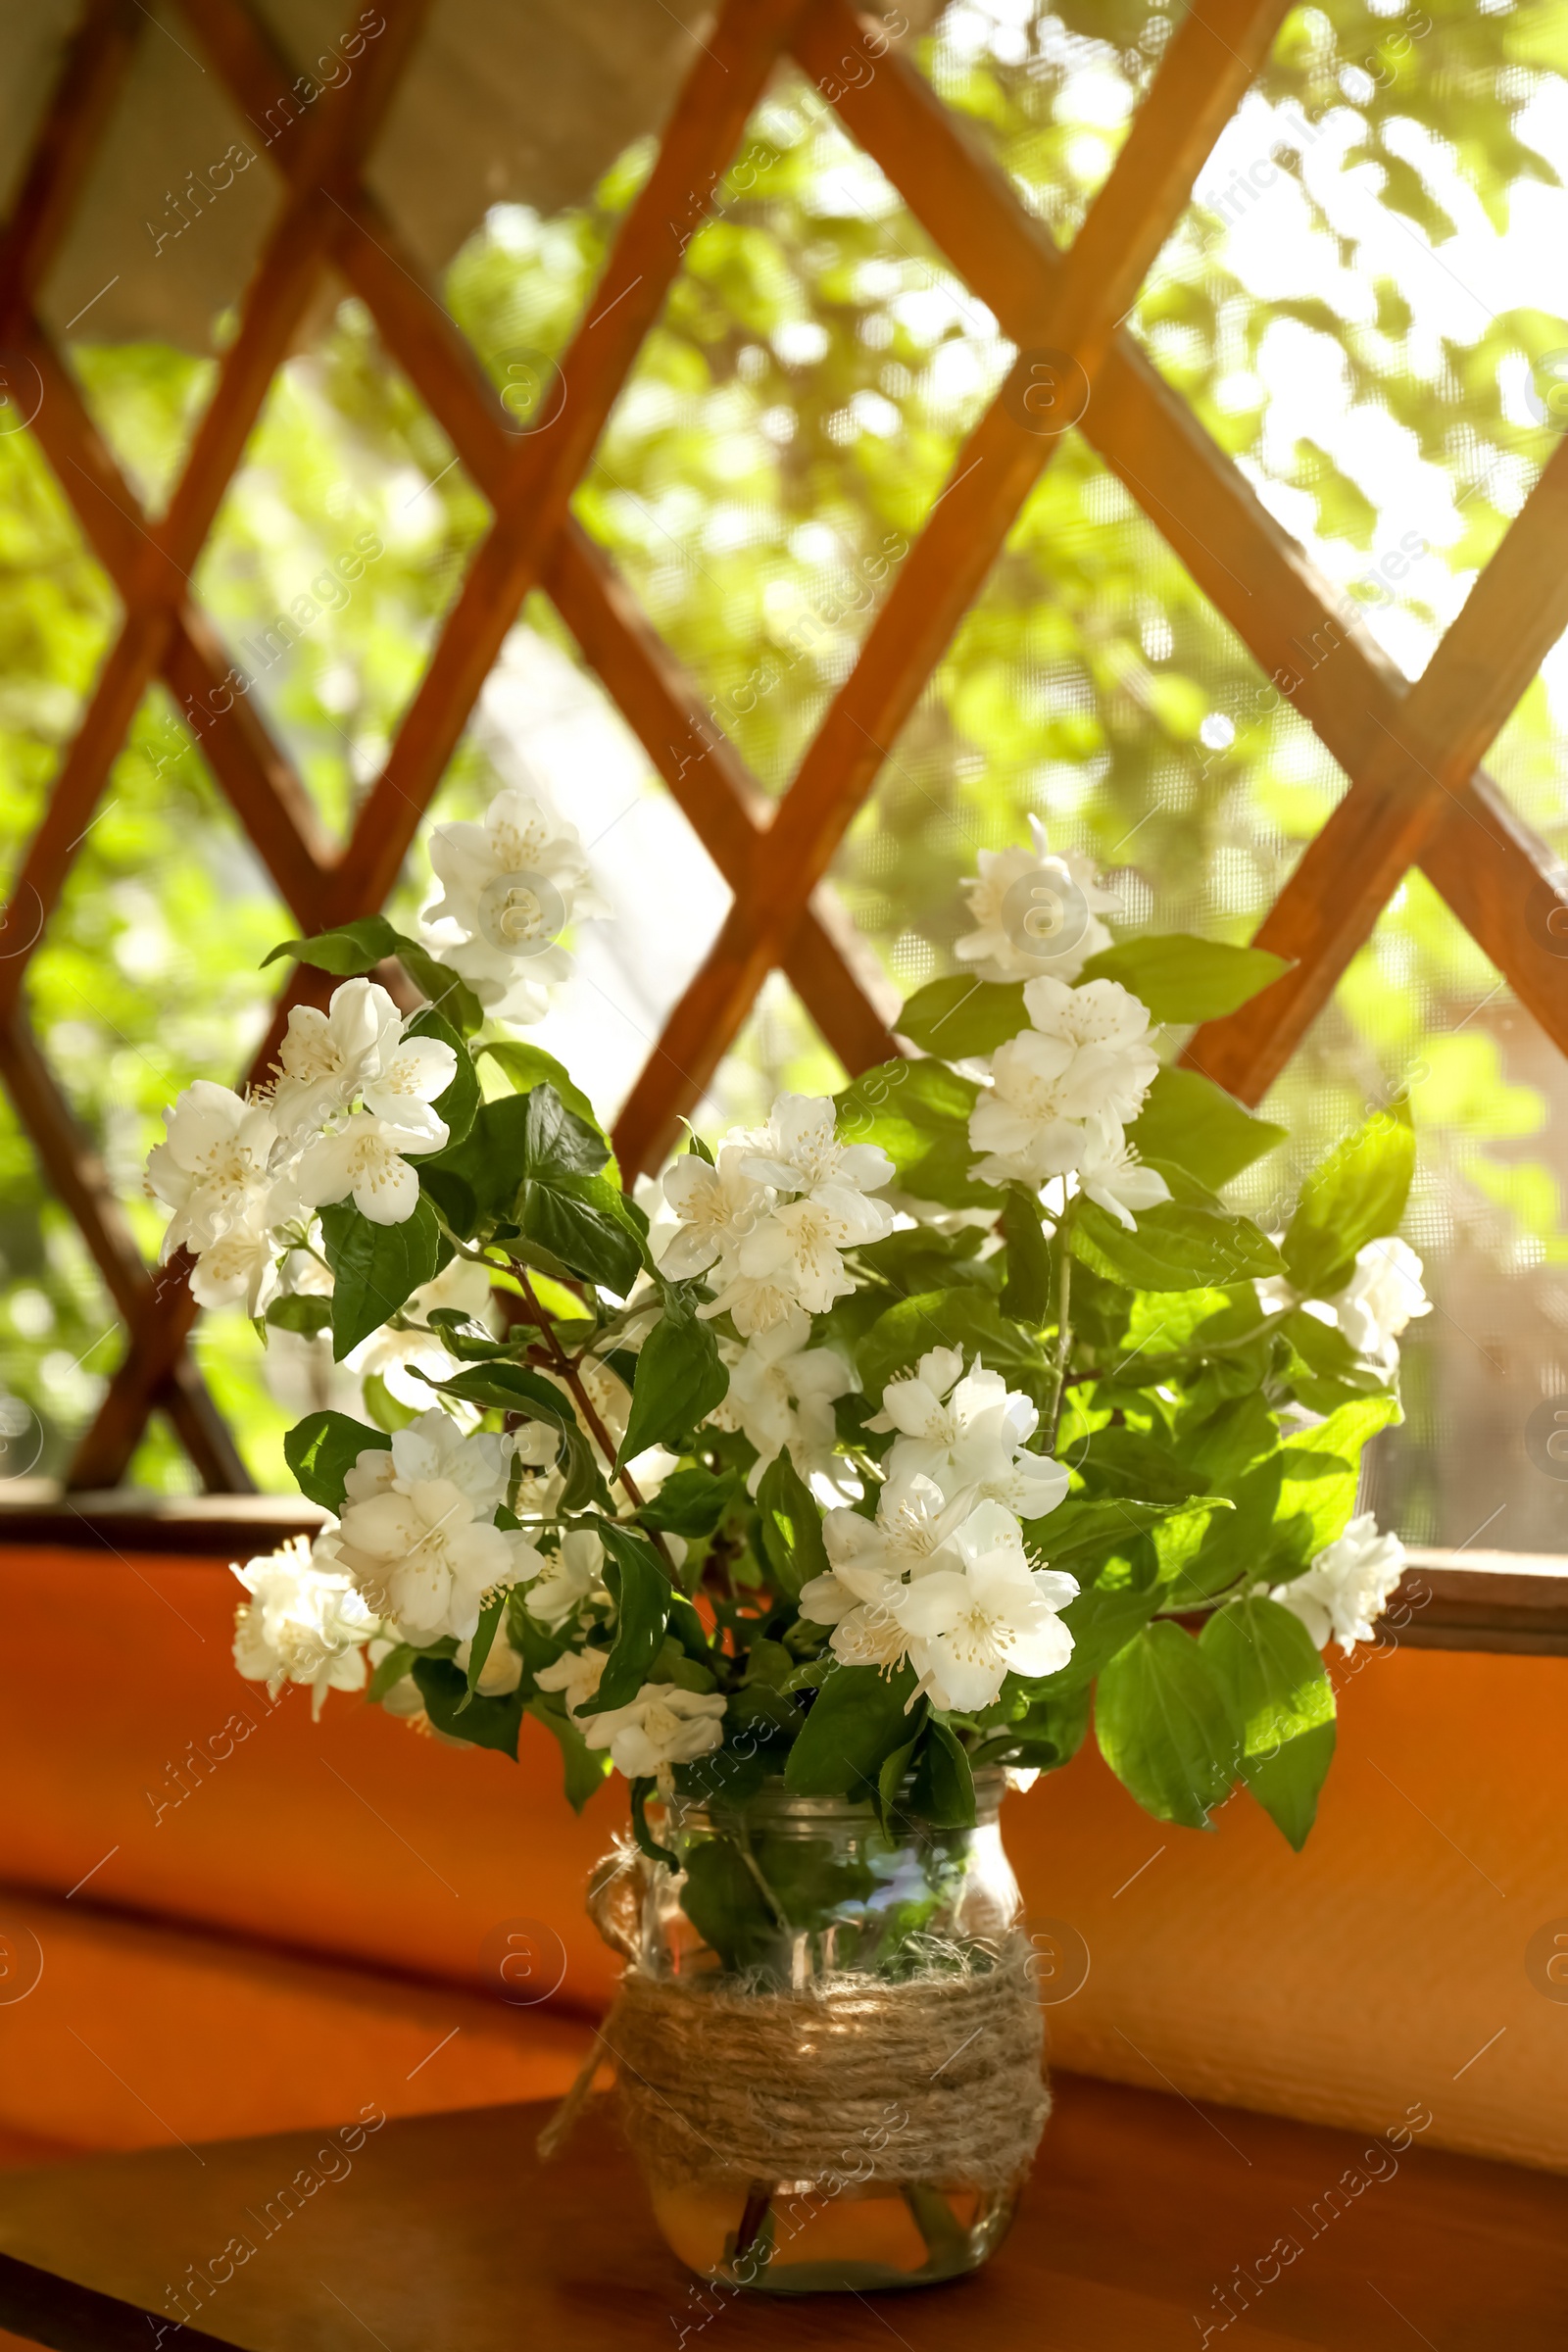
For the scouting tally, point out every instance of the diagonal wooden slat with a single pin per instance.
(538, 487)
(261, 786)
(1412, 754)
(78, 1176)
(703, 132)
(1209, 61)
(90, 81)
(332, 149)
(335, 142)
(1512, 618)
(1251, 571)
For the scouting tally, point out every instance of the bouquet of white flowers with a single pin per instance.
(904, 1435)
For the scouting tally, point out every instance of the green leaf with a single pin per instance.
(1104, 1618)
(446, 991)
(564, 1203)
(1194, 1123)
(517, 1389)
(641, 1592)
(1324, 1369)
(1176, 1248)
(1356, 1196)
(679, 1378)
(351, 949)
(483, 1722)
(944, 1785)
(321, 1450)
(726, 1905)
(918, 1113)
(485, 1634)
(460, 1104)
(1163, 1720)
(527, 1067)
(1128, 1462)
(1280, 1694)
(397, 1662)
(1081, 1534)
(857, 1722)
(1027, 1296)
(1181, 978)
(692, 1502)
(303, 1311)
(962, 1017)
(383, 1407)
(966, 1319)
(893, 1813)
(510, 1388)
(1046, 1733)
(792, 1527)
(583, 1766)
(1289, 1504)
(376, 1268)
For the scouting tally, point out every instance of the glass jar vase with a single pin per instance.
(797, 1973)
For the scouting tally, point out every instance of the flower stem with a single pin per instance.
(1063, 1347)
(601, 1435)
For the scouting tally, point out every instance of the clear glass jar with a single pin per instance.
(836, 1897)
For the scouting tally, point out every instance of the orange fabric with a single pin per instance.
(1343, 1983)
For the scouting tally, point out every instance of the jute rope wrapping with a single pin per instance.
(938, 2078)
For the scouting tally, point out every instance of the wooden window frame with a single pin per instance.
(1417, 793)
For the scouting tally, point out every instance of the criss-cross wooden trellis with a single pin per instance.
(1411, 753)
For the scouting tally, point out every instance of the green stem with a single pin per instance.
(569, 1372)
(1063, 1347)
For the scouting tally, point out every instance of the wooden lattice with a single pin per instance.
(1411, 753)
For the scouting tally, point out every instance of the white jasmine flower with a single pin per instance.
(509, 887)
(502, 1670)
(969, 1434)
(304, 1622)
(365, 1156)
(420, 1555)
(576, 1674)
(213, 1163)
(870, 1560)
(1382, 1295)
(755, 1303)
(326, 1058)
(540, 1484)
(569, 1578)
(1346, 1590)
(414, 1073)
(663, 1725)
(782, 1393)
(1034, 912)
(717, 1207)
(798, 1248)
(773, 1216)
(240, 1263)
(1112, 1175)
(479, 1466)
(1108, 1026)
(1027, 1121)
(970, 1626)
(799, 1151)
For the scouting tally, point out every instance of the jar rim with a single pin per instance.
(782, 1805)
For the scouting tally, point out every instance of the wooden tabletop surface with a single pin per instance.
(443, 2233)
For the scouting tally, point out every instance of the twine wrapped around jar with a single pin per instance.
(934, 2078)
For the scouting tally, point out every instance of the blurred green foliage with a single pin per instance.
(783, 434)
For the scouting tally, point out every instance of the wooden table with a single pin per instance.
(442, 2233)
